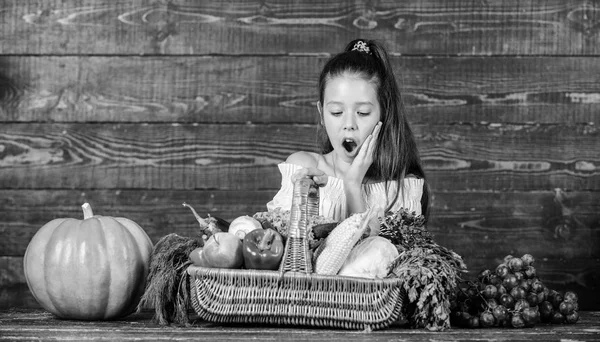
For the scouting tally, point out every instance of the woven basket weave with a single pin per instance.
(294, 295)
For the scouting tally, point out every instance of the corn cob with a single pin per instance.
(340, 242)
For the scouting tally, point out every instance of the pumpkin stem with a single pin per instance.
(87, 211)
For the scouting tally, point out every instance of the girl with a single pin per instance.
(368, 156)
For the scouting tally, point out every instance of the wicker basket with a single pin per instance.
(294, 295)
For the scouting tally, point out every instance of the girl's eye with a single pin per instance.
(363, 113)
(336, 113)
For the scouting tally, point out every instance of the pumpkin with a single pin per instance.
(90, 269)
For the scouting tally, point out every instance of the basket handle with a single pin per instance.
(305, 203)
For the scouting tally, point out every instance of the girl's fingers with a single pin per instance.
(373, 139)
(310, 172)
(369, 144)
(321, 180)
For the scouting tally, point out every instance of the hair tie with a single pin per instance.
(361, 46)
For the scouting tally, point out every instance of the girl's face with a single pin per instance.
(349, 112)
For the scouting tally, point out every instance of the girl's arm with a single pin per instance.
(354, 198)
(309, 162)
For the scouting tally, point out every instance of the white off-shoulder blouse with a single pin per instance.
(332, 198)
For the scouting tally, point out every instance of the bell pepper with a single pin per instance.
(263, 249)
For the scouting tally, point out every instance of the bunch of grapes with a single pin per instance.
(511, 296)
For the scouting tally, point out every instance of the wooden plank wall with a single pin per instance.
(139, 106)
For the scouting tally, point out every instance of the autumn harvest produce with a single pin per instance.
(243, 225)
(370, 258)
(512, 295)
(339, 243)
(403, 256)
(263, 249)
(222, 250)
(90, 269)
(210, 225)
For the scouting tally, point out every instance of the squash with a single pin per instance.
(90, 269)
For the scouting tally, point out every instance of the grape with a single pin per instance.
(465, 319)
(472, 292)
(532, 299)
(501, 314)
(515, 264)
(557, 318)
(570, 296)
(541, 297)
(521, 304)
(557, 299)
(474, 322)
(511, 295)
(518, 293)
(530, 316)
(492, 303)
(572, 318)
(524, 283)
(545, 309)
(509, 281)
(566, 308)
(519, 275)
(484, 275)
(546, 291)
(507, 301)
(494, 280)
(527, 259)
(490, 291)
(517, 321)
(501, 290)
(537, 286)
(507, 258)
(486, 319)
(502, 270)
(530, 272)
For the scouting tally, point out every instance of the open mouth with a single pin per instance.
(349, 145)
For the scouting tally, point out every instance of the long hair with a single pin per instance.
(396, 154)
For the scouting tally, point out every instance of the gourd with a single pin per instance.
(90, 269)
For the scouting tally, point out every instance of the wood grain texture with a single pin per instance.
(138, 106)
(532, 27)
(244, 157)
(282, 89)
(37, 324)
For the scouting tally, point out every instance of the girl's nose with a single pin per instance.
(349, 123)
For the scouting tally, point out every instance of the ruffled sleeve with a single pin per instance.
(409, 197)
(283, 198)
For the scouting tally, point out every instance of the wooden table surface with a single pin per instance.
(39, 325)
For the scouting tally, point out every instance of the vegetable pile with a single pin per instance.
(399, 246)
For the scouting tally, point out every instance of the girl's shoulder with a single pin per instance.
(304, 159)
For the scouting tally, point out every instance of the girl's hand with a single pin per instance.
(363, 159)
(317, 175)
